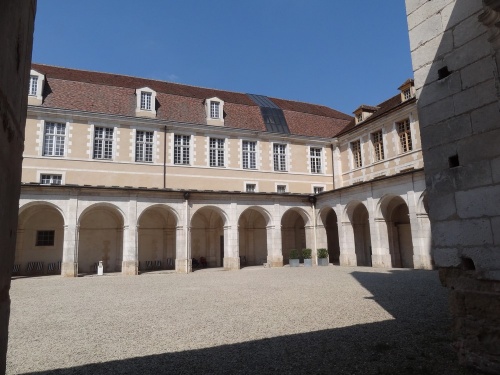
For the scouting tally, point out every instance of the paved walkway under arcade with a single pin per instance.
(330, 320)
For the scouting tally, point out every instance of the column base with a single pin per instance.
(275, 262)
(69, 269)
(231, 263)
(183, 265)
(130, 268)
(423, 262)
(474, 305)
(348, 260)
(381, 261)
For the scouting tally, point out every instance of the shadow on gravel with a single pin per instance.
(415, 342)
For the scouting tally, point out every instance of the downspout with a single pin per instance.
(165, 157)
(188, 255)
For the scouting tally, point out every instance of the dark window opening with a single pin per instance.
(45, 238)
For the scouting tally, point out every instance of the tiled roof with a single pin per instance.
(115, 94)
(383, 108)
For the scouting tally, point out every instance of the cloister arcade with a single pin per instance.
(132, 232)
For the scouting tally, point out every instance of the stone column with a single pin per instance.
(311, 241)
(274, 252)
(130, 240)
(231, 251)
(421, 238)
(348, 247)
(321, 240)
(69, 266)
(381, 255)
(183, 261)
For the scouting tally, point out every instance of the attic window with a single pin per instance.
(35, 88)
(407, 93)
(145, 102)
(359, 117)
(214, 110)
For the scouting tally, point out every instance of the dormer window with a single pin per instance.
(145, 102)
(35, 88)
(214, 108)
(364, 112)
(407, 90)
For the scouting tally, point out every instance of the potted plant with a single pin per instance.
(322, 257)
(306, 254)
(293, 258)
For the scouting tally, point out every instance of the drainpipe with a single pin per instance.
(165, 157)
(188, 253)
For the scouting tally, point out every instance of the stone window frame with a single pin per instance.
(141, 110)
(405, 137)
(152, 143)
(316, 161)
(255, 154)
(247, 184)
(280, 160)
(319, 186)
(217, 154)
(36, 97)
(103, 155)
(55, 136)
(378, 152)
(214, 120)
(279, 185)
(182, 147)
(356, 158)
(52, 174)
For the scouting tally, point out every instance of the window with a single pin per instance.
(281, 189)
(378, 145)
(103, 143)
(359, 117)
(279, 154)
(407, 93)
(44, 238)
(249, 155)
(181, 149)
(356, 154)
(315, 153)
(51, 179)
(53, 141)
(250, 188)
(216, 152)
(145, 101)
(214, 109)
(144, 146)
(404, 133)
(318, 189)
(33, 86)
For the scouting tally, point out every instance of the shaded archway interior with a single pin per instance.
(207, 237)
(399, 233)
(252, 238)
(293, 235)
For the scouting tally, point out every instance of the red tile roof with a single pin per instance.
(115, 94)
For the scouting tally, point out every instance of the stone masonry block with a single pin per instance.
(458, 11)
(438, 90)
(425, 11)
(495, 225)
(425, 31)
(486, 118)
(475, 97)
(495, 170)
(433, 50)
(413, 5)
(445, 257)
(477, 72)
(443, 206)
(447, 131)
(436, 159)
(467, 30)
(483, 146)
(479, 202)
(473, 175)
(467, 54)
(436, 112)
(462, 233)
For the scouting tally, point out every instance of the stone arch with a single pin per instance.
(293, 232)
(252, 236)
(100, 238)
(328, 218)
(207, 236)
(423, 203)
(395, 211)
(156, 237)
(40, 237)
(357, 214)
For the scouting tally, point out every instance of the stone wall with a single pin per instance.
(16, 40)
(454, 53)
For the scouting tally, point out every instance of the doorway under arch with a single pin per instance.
(362, 239)
(207, 237)
(252, 228)
(329, 220)
(293, 234)
(399, 233)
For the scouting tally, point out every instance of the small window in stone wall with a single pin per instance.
(45, 238)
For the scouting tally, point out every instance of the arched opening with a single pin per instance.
(40, 238)
(329, 219)
(100, 239)
(399, 233)
(362, 240)
(252, 238)
(207, 238)
(293, 234)
(156, 239)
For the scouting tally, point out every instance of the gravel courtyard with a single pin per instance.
(320, 320)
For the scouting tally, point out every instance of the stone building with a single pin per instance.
(455, 53)
(146, 174)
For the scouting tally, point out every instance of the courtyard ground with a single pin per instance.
(320, 320)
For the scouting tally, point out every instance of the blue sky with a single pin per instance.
(331, 52)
